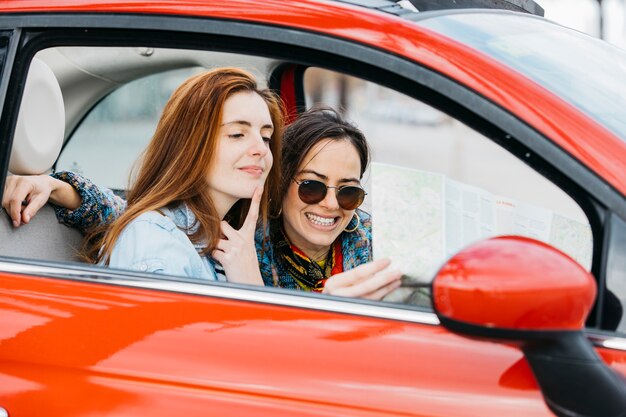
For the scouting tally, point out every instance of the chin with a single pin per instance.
(245, 192)
(323, 239)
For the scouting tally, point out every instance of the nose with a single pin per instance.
(258, 147)
(330, 200)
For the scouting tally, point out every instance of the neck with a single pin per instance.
(318, 255)
(223, 204)
(313, 252)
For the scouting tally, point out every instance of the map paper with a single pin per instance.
(422, 218)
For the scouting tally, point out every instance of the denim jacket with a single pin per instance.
(155, 242)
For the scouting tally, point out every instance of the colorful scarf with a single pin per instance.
(308, 274)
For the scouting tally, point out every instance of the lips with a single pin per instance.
(252, 170)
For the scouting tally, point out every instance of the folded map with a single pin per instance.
(422, 218)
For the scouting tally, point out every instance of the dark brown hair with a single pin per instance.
(311, 127)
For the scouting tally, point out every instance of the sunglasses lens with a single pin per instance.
(350, 198)
(311, 192)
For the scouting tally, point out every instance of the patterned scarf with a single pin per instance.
(291, 261)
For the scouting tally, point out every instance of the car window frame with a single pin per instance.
(9, 45)
(311, 49)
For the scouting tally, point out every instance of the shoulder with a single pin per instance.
(146, 232)
(152, 220)
(152, 243)
(152, 232)
(362, 226)
(357, 245)
(366, 220)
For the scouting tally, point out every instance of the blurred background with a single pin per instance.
(604, 19)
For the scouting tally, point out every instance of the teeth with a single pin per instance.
(321, 221)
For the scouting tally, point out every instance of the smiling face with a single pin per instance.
(314, 227)
(243, 158)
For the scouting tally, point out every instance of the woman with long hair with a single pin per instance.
(193, 206)
(320, 241)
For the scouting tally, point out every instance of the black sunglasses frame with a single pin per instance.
(338, 189)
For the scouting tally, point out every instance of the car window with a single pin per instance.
(551, 56)
(112, 136)
(435, 185)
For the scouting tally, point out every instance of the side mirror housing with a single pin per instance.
(522, 290)
(514, 283)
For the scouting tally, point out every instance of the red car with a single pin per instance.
(505, 108)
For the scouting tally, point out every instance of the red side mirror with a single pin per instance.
(522, 290)
(514, 282)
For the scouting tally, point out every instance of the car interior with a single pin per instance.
(63, 84)
(94, 109)
(38, 140)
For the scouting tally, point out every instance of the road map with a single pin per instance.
(408, 218)
(422, 218)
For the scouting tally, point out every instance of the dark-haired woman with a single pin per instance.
(320, 232)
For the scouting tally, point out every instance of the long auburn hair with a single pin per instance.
(175, 164)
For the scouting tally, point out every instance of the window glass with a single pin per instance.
(436, 185)
(585, 71)
(110, 139)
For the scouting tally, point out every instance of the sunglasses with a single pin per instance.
(349, 197)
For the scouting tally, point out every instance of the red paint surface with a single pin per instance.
(75, 349)
(514, 283)
(78, 348)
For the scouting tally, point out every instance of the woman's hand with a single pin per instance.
(24, 195)
(237, 252)
(373, 280)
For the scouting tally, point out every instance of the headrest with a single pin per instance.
(40, 124)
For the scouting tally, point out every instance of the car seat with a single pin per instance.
(38, 138)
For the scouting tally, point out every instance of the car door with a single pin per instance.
(78, 339)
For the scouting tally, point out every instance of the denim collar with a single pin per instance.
(185, 220)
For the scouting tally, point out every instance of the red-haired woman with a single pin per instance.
(199, 190)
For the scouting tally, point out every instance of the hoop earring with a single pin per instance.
(358, 223)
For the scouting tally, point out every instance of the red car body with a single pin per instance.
(75, 345)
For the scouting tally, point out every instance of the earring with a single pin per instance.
(358, 223)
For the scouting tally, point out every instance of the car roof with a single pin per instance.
(404, 8)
